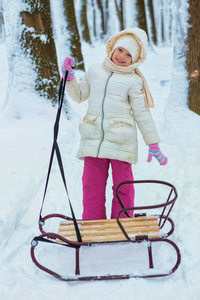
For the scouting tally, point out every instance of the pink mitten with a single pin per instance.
(155, 151)
(67, 66)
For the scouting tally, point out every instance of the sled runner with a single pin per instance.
(151, 224)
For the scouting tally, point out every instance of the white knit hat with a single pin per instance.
(129, 43)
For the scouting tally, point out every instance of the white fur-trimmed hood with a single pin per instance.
(140, 36)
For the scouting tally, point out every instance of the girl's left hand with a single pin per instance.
(154, 150)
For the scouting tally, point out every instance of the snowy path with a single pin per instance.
(24, 154)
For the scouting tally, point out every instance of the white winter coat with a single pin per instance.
(116, 103)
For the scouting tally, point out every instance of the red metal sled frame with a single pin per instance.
(163, 219)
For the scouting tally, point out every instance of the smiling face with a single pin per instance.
(121, 57)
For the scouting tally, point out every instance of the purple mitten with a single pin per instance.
(155, 151)
(68, 66)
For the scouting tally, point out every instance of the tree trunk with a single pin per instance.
(157, 5)
(1, 24)
(179, 81)
(94, 18)
(166, 22)
(37, 40)
(84, 22)
(103, 25)
(74, 37)
(149, 22)
(193, 56)
(153, 27)
(120, 13)
(106, 16)
(141, 18)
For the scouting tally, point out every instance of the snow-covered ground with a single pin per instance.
(26, 131)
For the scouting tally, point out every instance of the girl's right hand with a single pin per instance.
(68, 64)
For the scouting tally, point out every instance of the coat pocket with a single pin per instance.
(88, 128)
(121, 131)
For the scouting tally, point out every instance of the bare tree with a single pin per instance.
(155, 17)
(149, 21)
(84, 22)
(179, 82)
(152, 18)
(94, 19)
(193, 56)
(103, 27)
(1, 23)
(74, 37)
(103, 9)
(141, 17)
(38, 42)
(120, 12)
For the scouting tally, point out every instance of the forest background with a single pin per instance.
(35, 37)
(31, 27)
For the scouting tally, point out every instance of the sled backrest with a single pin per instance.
(161, 210)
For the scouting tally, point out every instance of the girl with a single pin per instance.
(118, 99)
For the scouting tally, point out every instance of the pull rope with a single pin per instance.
(56, 150)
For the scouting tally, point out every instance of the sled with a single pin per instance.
(151, 224)
(142, 227)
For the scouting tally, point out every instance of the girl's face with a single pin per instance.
(121, 57)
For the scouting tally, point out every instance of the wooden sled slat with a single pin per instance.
(106, 227)
(110, 221)
(101, 231)
(109, 230)
(106, 224)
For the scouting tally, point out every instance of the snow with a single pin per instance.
(26, 132)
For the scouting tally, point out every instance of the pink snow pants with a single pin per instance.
(95, 175)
